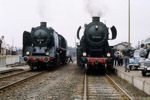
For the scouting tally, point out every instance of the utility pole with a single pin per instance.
(75, 41)
(13, 41)
(129, 22)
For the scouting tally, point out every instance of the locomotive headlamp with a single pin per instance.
(84, 53)
(96, 26)
(108, 54)
(27, 53)
(47, 53)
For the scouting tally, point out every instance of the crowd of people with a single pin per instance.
(118, 58)
(6, 49)
(121, 57)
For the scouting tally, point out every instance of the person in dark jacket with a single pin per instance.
(148, 50)
(0, 45)
(142, 51)
(120, 61)
(70, 59)
(116, 57)
(126, 53)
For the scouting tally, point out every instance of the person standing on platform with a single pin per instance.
(0, 45)
(70, 59)
(148, 51)
(120, 62)
(142, 51)
(7, 49)
(11, 50)
(3, 45)
(116, 55)
(14, 50)
(126, 53)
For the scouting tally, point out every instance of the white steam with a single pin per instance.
(95, 7)
(43, 10)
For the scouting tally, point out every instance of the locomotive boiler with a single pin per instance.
(44, 47)
(94, 50)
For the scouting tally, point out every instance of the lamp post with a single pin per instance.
(129, 22)
(75, 41)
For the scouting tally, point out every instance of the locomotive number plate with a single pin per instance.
(40, 40)
(96, 37)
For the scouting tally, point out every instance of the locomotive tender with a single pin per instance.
(94, 50)
(44, 47)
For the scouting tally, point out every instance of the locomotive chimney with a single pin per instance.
(95, 19)
(43, 24)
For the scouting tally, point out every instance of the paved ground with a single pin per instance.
(135, 73)
(8, 69)
(4, 68)
(26, 67)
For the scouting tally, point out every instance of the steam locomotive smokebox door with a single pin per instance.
(40, 36)
(96, 32)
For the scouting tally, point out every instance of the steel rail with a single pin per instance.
(20, 81)
(12, 75)
(85, 88)
(120, 89)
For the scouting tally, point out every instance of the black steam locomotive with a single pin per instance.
(94, 50)
(44, 47)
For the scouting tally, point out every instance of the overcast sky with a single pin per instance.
(65, 16)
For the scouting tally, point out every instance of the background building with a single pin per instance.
(121, 46)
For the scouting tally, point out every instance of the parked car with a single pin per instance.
(134, 61)
(145, 66)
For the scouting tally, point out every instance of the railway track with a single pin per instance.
(96, 87)
(12, 75)
(9, 81)
(103, 88)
